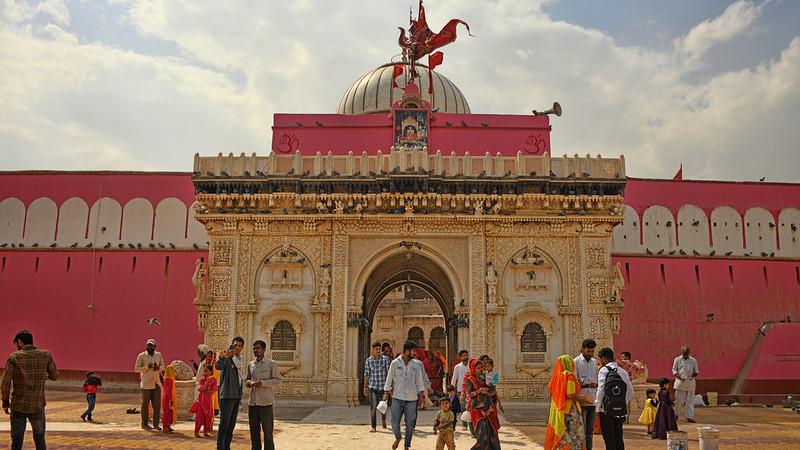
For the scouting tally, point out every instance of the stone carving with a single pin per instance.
(182, 371)
(324, 286)
(199, 279)
(617, 284)
(491, 285)
(222, 253)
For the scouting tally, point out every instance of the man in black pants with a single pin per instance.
(610, 425)
(262, 376)
(230, 391)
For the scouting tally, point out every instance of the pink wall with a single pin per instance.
(707, 195)
(663, 314)
(506, 134)
(779, 358)
(50, 302)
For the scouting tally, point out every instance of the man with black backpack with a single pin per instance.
(614, 391)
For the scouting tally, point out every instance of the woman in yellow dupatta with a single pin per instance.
(169, 400)
(564, 425)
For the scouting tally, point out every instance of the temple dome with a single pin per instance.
(373, 93)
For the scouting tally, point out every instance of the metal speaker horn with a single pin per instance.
(556, 109)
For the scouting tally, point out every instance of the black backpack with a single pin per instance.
(616, 389)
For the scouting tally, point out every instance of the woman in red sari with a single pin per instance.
(482, 410)
(434, 371)
(564, 425)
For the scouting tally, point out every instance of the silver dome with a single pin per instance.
(373, 93)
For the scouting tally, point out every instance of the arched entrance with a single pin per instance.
(404, 270)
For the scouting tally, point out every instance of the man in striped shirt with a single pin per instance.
(375, 369)
(26, 370)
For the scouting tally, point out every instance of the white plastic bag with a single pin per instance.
(382, 406)
(465, 417)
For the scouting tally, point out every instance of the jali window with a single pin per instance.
(283, 337)
(533, 339)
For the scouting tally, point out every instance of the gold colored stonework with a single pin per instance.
(318, 249)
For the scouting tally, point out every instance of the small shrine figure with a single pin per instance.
(199, 278)
(491, 285)
(617, 283)
(324, 285)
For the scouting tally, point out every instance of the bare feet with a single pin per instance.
(197, 435)
(396, 443)
(383, 423)
(691, 420)
(372, 430)
(207, 434)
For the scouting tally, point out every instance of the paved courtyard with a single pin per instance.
(309, 427)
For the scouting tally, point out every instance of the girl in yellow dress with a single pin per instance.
(648, 417)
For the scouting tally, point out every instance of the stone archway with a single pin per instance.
(414, 268)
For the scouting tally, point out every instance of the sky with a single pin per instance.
(146, 84)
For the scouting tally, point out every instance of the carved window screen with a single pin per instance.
(533, 339)
(283, 337)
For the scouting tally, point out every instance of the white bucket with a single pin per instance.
(677, 440)
(709, 438)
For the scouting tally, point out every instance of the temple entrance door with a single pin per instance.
(407, 296)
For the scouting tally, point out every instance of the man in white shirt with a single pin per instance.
(685, 370)
(404, 383)
(610, 425)
(459, 372)
(586, 373)
(149, 364)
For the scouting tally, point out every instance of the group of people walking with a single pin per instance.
(404, 380)
(584, 388)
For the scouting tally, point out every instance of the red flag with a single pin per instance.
(434, 60)
(398, 70)
(679, 175)
(446, 36)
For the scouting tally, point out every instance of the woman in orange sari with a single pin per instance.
(564, 425)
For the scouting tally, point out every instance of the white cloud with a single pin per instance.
(736, 20)
(225, 68)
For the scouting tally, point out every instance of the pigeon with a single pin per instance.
(318, 124)
(246, 173)
(301, 260)
(764, 254)
(151, 245)
(648, 251)
(531, 273)
(53, 245)
(209, 173)
(154, 321)
(695, 223)
(586, 174)
(682, 252)
(283, 254)
(513, 262)
(299, 124)
(160, 245)
(292, 253)
(108, 244)
(748, 253)
(461, 303)
(223, 173)
(533, 174)
(728, 253)
(484, 124)
(73, 245)
(762, 178)
(709, 317)
(195, 245)
(536, 255)
(583, 212)
(89, 245)
(538, 262)
(794, 227)
(326, 265)
(771, 225)
(4, 244)
(449, 124)
(695, 252)
(660, 252)
(763, 330)
(672, 252)
(35, 244)
(260, 173)
(306, 173)
(562, 213)
(290, 172)
(464, 123)
(171, 245)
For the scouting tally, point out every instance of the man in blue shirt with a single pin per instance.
(404, 383)
(375, 369)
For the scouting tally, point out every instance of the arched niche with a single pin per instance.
(12, 220)
(525, 315)
(627, 237)
(289, 312)
(760, 234)
(196, 232)
(726, 230)
(693, 229)
(789, 232)
(105, 221)
(658, 229)
(417, 335)
(40, 222)
(170, 221)
(137, 222)
(72, 218)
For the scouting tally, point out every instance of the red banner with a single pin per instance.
(398, 70)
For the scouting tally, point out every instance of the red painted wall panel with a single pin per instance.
(51, 303)
(663, 314)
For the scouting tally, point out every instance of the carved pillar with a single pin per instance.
(476, 286)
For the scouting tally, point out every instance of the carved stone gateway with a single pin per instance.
(519, 263)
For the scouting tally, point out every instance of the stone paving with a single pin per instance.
(302, 426)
